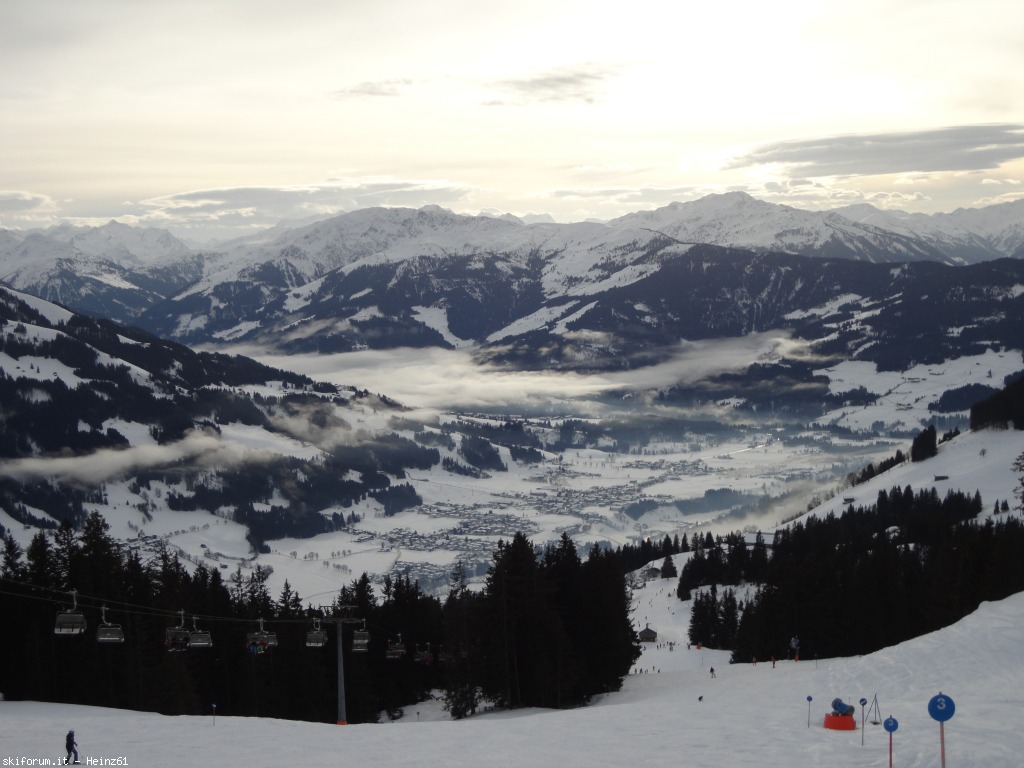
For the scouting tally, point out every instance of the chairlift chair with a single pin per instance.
(107, 632)
(423, 655)
(260, 641)
(361, 639)
(199, 638)
(177, 638)
(70, 622)
(396, 650)
(316, 637)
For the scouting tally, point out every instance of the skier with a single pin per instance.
(71, 745)
(712, 671)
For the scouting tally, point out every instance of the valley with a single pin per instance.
(670, 481)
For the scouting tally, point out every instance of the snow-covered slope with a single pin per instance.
(670, 712)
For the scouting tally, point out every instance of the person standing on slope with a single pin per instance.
(71, 745)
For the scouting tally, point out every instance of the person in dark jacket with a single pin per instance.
(71, 745)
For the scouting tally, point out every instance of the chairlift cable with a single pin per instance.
(133, 609)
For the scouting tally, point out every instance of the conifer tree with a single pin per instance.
(668, 568)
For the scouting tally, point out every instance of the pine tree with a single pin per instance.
(41, 562)
(460, 655)
(289, 604)
(12, 567)
(668, 568)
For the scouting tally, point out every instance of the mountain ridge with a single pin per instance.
(139, 267)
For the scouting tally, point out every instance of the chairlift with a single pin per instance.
(361, 639)
(396, 650)
(316, 637)
(177, 638)
(199, 638)
(107, 632)
(260, 641)
(423, 654)
(70, 622)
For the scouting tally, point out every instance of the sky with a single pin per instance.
(213, 119)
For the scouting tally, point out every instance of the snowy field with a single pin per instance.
(670, 714)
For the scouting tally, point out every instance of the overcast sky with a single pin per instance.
(213, 116)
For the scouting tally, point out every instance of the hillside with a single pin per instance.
(673, 711)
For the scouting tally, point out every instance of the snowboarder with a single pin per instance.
(712, 671)
(71, 745)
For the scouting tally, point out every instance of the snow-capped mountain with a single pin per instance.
(575, 298)
(122, 243)
(392, 277)
(738, 220)
(113, 271)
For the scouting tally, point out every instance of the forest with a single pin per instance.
(549, 628)
(853, 584)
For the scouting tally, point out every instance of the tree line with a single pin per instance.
(853, 584)
(548, 628)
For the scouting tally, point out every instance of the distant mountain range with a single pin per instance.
(860, 281)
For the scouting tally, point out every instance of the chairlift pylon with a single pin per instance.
(107, 632)
(70, 622)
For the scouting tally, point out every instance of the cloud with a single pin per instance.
(453, 379)
(238, 210)
(204, 449)
(959, 148)
(1006, 197)
(27, 207)
(569, 84)
(619, 200)
(373, 88)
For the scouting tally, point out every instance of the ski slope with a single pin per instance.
(749, 715)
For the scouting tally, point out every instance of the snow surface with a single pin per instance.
(668, 713)
(904, 396)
